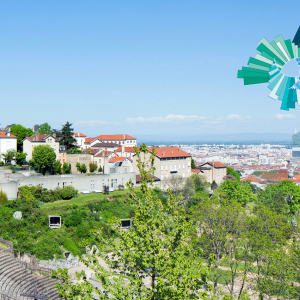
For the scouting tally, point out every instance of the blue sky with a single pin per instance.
(140, 67)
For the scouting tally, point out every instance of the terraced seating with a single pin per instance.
(15, 280)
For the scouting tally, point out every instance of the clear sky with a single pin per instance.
(140, 67)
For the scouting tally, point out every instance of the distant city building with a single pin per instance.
(35, 128)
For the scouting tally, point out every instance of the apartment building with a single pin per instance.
(169, 161)
(40, 139)
(7, 142)
(213, 171)
(80, 139)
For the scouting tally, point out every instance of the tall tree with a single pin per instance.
(193, 165)
(43, 157)
(66, 137)
(235, 174)
(20, 132)
(45, 128)
(20, 157)
(156, 259)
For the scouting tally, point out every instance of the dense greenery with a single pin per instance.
(20, 132)
(45, 128)
(66, 136)
(43, 158)
(232, 172)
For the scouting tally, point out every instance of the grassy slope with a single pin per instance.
(82, 199)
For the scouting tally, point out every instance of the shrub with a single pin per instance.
(120, 187)
(83, 168)
(3, 197)
(93, 167)
(100, 169)
(74, 219)
(66, 168)
(68, 192)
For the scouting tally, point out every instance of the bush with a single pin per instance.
(3, 197)
(66, 168)
(120, 187)
(93, 167)
(100, 169)
(68, 192)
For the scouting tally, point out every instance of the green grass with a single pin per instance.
(83, 199)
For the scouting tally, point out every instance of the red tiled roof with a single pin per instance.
(4, 135)
(252, 178)
(115, 159)
(40, 138)
(126, 149)
(283, 174)
(93, 151)
(216, 164)
(138, 178)
(115, 137)
(196, 171)
(78, 134)
(163, 152)
(103, 153)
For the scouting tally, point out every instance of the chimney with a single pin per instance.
(54, 135)
(179, 148)
(26, 134)
(163, 152)
(122, 151)
(37, 136)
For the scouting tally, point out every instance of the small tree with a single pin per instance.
(188, 189)
(106, 189)
(43, 157)
(66, 168)
(45, 128)
(68, 192)
(66, 137)
(193, 165)
(20, 157)
(100, 169)
(57, 167)
(83, 168)
(214, 185)
(20, 132)
(8, 156)
(93, 167)
(175, 184)
(78, 166)
(3, 197)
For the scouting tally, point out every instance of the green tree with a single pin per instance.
(66, 168)
(188, 189)
(158, 247)
(20, 132)
(43, 157)
(193, 165)
(214, 185)
(45, 128)
(57, 167)
(100, 169)
(66, 137)
(20, 157)
(93, 167)
(68, 192)
(8, 156)
(83, 168)
(3, 197)
(257, 173)
(199, 182)
(231, 171)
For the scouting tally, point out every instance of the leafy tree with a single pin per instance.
(83, 168)
(20, 132)
(93, 167)
(175, 184)
(57, 167)
(68, 192)
(43, 157)
(8, 156)
(66, 137)
(66, 168)
(158, 247)
(3, 197)
(45, 128)
(193, 165)
(188, 189)
(77, 151)
(100, 169)
(235, 174)
(78, 166)
(199, 182)
(20, 157)
(214, 185)
(283, 197)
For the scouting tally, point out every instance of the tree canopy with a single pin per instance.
(20, 132)
(66, 136)
(45, 128)
(43, 157)
(232, 172)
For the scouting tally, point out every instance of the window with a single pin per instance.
(183, 166)
(183, 174)
(162, 168)
(179, 167)
(166, 176)
(171, 168)
(166, 168)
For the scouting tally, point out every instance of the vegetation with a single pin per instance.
(20, 132)
(66, 168)
(232, 172)
(93, 167)
(43, 158)
(193, 165)
(66, 137)
(57, 167)
(3, 197)
(45, 128)
(81, 168)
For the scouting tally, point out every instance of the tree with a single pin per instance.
(188, 189)
(20, 157)
(68, 192)
(57, 167)
(214, 185)
(83, 168)
(235, 174)
(199, 182)
(43, 157)
(66, 168)
(8, 156)
(20, 132)
(3, 197)
(193, 165)
(100, 169)
(66, 137)
(45, 128)
(175, 184)
(93, 167)
(157, 247)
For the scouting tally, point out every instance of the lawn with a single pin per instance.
(83, 199)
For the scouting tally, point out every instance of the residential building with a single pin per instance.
(80, 139)
(169, 161)
(40, 139)
(7, 142)
(62, 154)
(120, 139)
(213, 171)
(125, 151)
(121, 161)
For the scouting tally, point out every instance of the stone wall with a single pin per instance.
(73, 159)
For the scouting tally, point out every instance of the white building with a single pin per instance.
(80, 139)
(7, 142)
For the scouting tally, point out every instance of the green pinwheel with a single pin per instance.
(278, 64)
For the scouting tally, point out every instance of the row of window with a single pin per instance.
(173, 158)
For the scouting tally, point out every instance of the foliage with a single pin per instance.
(193, 165)
(45, 128)
(158, 247)
(68, 192)
(66, 168)
(235, 174)
(175, 184)
(93, 167)
(283, 197)
(81, 168)
(20, 157)
(120, 187)
(3, 197)
(66, 137)
(77, 151)
(188, 189)
(8, 156)
(43, 157)
(20, 132)
(199, 182)
(100, 169)
(214, 185)
(57, 167)
(257, 173)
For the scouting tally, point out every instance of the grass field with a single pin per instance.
(83, 199)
